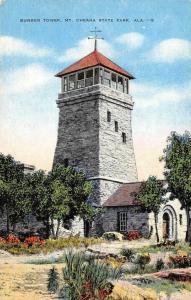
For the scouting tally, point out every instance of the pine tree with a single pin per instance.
(53, 279)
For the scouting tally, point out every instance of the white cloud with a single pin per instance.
(84, 47)
(132, 40)
(12, 46)
(2, 2)
(171, 50)
(26, 79)
(148, 95)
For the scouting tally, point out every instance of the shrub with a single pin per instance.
(133, 235)
(159, 264)
(113, 236)
(142, 260)
(182, 253)
(86, 279)
(53, 279)
(114, 262)
(128, 253)
(34, 240)
(12, 239)
(180, 261)
(2, 240)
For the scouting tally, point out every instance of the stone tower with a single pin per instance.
(94, 132)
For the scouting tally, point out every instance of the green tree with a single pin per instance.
(177, 169)
(151, 196)
(38, 187)
(59, 196)
(70, 191)
(11, 177)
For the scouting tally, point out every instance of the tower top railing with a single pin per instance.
(95, 75)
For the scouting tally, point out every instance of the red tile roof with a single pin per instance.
(124, 196)
(95, 58)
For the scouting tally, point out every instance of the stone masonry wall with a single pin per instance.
(143, 221)
(117, 159)
(78, 135)
(102, 190)
(89, 141)
(137, 219)
(177, 227)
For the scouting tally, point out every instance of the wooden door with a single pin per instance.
(166, 223)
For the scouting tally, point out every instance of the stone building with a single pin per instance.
(95, 136)
(124, 213)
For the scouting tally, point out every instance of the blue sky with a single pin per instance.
(153, 45)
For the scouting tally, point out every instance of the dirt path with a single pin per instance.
(20, 280)
(24, 281)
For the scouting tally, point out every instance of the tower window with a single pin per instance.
(108, 116)
(65, 82)
(107, 78)
(101, 75)
(96, 76)
(80, 75)
(72, 80)
(80, 80)
(89, 77)
(89, 73)
(124, 137)
(120, 84)
(66, 162)
(126, 86)
(113, 81)
(116, 126)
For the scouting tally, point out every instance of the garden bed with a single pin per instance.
(32, 246)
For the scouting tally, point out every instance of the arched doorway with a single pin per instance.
(166, 225)
(169, 226)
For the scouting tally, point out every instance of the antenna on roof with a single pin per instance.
(95, 37)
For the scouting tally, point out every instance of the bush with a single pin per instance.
(53, 279)
(114, 262)
(113, 236)
(2, 240)
(159, 264)
(128, 253)
(34, 240)
(12, 239)
(142, 260)
(133, 235)
(182, 253)
(84, 278)
(180, 261)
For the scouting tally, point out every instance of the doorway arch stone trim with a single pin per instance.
(172, 221)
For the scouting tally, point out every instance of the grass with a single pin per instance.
(44, 261)
(138, 270)
(155, 249)
(50, 245)
(167, 286)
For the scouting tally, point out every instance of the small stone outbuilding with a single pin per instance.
(124, 213)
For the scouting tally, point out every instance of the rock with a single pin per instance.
(4, 253)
